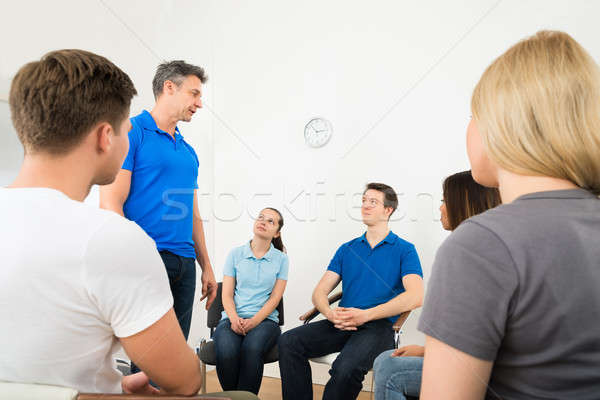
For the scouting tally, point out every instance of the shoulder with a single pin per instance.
(237, 252)
(115, 228)
(136, 133)
(280, 255)
(479, 237)
(190, 149)
(400, 243)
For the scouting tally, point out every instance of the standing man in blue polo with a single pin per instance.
(381, 278)
(157, 185)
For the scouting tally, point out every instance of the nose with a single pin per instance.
(198, 103)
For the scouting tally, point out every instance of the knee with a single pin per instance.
(287, 341)
(382, 367)
(346, 372)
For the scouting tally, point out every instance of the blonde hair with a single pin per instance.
(537, 108)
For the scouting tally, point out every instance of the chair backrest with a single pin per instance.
(216, 308)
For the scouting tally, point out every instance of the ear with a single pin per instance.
(103, 132)
(388, 211)
(169, 87)
(277, 235)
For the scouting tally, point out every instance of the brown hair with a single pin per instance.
(465, 198)
(277, 241)
(390, 199)
(55, 101)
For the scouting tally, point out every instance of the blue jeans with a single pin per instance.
(358, 350)
(182, 279)
(240, 359)
(397, 377)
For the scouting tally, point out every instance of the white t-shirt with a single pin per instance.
(73, 278)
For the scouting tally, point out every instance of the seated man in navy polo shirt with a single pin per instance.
(381, 278)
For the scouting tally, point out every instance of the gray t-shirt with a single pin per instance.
(520, 285)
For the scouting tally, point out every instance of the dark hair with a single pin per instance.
(55, 101)
(277, 242)
(175, 71)
(390, 199)
(465, 198)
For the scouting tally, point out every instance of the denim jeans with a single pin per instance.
(182, 279)
(358, 350)
(240, 359)
(397, 377)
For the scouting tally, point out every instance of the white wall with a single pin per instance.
(393, 77)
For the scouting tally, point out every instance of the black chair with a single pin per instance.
(206, 352)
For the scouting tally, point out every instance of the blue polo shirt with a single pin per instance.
(164, 174)
(254, 278)
(373, 276)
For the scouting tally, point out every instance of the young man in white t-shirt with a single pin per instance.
(77, 281)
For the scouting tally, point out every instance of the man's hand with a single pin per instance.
(237, 327)
(209, 285)
(351, 318)
(335, 317)
(137, 384)
(248, 324)
(412, 350)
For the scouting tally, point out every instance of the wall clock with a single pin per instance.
(317, 132)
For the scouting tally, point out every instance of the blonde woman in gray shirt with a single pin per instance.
(512, 306)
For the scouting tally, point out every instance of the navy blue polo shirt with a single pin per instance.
(164, 175)
(373, 276)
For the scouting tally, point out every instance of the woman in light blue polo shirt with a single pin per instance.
(254, 280)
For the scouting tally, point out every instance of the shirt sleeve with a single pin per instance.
(197, 163)
(283, 268)
(410, 263)
(336, 262)
(125, 277)
(229, 267)
(135, 138)
(470, 293)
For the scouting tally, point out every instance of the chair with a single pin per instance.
(28, 391)
(330, 358)
(206, 351)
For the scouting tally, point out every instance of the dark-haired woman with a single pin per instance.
(255, 276)
(398, 372)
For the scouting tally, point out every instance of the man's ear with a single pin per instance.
(169, 87)
(388, 212)
(103, 132)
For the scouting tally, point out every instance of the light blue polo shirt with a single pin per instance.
(254, 278)
(373, 276)
(164, 174)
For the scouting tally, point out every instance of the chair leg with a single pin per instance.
(203, 370)
(372, 385)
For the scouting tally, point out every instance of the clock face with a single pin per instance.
(317, 132)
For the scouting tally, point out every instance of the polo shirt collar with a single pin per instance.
(249, 254)
(390, 238)
(558, 194)
(149, 124)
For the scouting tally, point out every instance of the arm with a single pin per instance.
(229, 304)
(209, 283)
(270, 305)
(327, 283)
(411, 298)
(450, 374)
(163, 354)
(113, 196)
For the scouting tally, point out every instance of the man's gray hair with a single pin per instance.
(175, 71)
